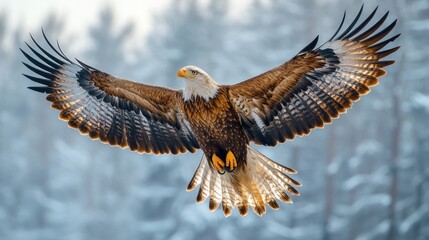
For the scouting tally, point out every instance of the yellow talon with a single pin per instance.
(231, 162)
(218, 163)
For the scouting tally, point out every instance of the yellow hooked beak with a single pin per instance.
(182, 73)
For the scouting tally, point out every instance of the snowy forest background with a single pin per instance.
(364, 177)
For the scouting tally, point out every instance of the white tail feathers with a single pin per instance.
(260, 182)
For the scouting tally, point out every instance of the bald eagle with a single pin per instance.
(306, 92)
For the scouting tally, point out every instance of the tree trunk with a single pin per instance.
(395, 148)
(329, 183)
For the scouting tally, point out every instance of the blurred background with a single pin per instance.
(364, 177)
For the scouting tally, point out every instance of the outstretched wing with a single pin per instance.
(315, 86)
(116, 111)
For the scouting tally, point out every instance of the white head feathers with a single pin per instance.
(197, 83)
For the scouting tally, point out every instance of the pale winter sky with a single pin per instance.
(80, 14)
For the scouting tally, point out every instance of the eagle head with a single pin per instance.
(197, 83)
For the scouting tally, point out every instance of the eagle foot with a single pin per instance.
(231, 162)
(218, 164)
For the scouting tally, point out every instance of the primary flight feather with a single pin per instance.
(306, 92)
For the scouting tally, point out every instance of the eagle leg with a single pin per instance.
(218, 164)
(231, 161)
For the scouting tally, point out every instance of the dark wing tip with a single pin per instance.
(355, 20)
(339, 27)
(41, 89)
(310, 46)
(38, 80)
(59, 51)
(84, 65)
(362, 25)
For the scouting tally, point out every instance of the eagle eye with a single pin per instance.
(194, 72)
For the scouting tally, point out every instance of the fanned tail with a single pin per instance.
(260, 182)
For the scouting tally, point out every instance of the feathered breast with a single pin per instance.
(214, 121)
(203, 114)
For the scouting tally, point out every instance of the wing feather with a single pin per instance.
(315, 86)
(119, 112)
